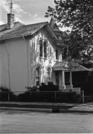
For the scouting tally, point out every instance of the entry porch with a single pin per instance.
(63, 78)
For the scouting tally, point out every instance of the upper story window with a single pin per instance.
(41, 47)
(57, 54)
(45, 48)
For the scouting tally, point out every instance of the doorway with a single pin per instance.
(67, 78)
(57, 74)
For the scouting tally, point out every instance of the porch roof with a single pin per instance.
(69, 66)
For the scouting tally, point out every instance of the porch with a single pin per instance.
(63, 75)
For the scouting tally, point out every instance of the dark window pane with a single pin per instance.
(57, 54)
(45, 49)
(67, 78)
(41, 48)
(37, 76)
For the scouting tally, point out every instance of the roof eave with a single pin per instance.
(23, 35)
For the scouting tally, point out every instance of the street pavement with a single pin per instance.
(15, 121)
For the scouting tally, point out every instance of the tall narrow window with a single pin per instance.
(49, 73)
(37, 76)
(41, 48)
(57, 54)
(45, 48)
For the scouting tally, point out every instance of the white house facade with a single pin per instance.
(27, 57)
(31, 55)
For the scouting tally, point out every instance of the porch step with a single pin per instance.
(74, 89)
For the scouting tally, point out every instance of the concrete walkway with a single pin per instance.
(87, 107)
(48, 107)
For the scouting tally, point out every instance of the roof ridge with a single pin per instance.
(46, 22)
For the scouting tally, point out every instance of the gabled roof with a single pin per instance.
(70, 66)
(4, 27)
(20, 30)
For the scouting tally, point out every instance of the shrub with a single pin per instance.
(49, 96)
(6, 94)
(49, 87)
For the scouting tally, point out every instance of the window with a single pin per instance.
(37, 76)
(57, 54)
(41, 47)
(49, 73)
(45, 48)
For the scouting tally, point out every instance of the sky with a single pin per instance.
(26, 11)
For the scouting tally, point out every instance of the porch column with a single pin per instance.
(71, 84)
(63, 80)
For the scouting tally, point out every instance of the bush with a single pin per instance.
(49, 87)
(6, 94)
(49, 96)
(46, 93)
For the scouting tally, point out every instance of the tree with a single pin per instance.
(73, 47)
(77, 14)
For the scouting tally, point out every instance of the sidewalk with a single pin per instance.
(48, 107)
(87, 108)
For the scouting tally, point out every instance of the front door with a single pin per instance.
(67, 78)
(57, 78)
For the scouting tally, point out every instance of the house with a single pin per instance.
(27, 55)
(31, 55)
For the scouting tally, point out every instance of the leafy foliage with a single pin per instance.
(77, 14)
(6, 94)
(74, 46)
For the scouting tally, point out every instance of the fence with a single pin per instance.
(43, 96)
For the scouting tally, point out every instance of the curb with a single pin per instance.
(26, 109)
(78, 112)
(46, 110)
